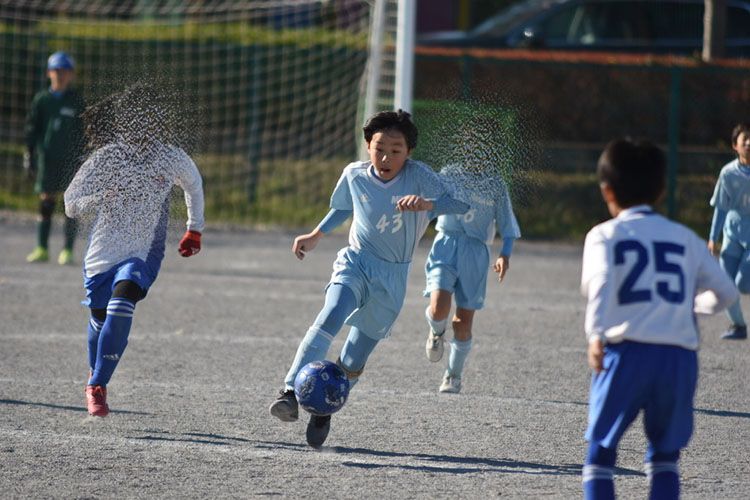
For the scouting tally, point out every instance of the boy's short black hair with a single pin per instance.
(738, 129)
(392, 120)
(635, 170)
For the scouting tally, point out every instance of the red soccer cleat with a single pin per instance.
(96, 400)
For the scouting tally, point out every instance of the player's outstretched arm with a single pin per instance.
(306, 242)
(413, 203)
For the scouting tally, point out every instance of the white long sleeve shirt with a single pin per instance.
(124, 193)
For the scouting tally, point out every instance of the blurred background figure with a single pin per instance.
(54, 142)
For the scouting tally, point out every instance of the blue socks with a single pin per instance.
(94, 329)
(735, 314)
(598, 473)
(339, 304)
(112, 339)
(665, 480)
(314, 347)
(459, 352)
(355, 352)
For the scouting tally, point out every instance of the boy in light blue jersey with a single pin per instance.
(731, 202)
(390, 199)
(458, 264)
(645, 278)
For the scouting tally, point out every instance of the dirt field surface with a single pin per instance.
(209, 349)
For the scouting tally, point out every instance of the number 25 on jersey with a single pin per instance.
(664, 266)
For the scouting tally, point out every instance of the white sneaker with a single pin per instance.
(435, 346)
(450, 384)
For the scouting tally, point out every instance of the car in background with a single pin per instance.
(645, 26)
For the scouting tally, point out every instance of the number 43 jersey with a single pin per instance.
(641, 275)
(377, 225)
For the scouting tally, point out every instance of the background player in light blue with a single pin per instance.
(458, 264)
(390, 199)
(645, 277)
(731, 202)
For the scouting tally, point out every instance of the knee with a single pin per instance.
(99, 314)
(47, 208)
(127, 289)
(599, 455)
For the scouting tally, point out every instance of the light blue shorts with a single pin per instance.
(658, 379)
(99, 288)
(458, 264)
(379, 287)
(735, 260)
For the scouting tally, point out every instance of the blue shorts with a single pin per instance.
(656, 378)
(99, 288)
(459, 265)
(379, 287)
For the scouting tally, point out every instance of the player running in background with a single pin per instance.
(54, 142)
(123, 189)
(731, 202)
(645, 277)
(457, 264)
(389, 199)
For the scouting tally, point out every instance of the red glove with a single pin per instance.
(190, 244)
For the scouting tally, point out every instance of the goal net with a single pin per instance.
(275, 87)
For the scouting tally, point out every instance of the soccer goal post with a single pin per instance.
(278, 89)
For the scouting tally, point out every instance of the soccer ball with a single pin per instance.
(321, 388)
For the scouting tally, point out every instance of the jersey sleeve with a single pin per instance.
(505, 220)
(189, 179)
(341, 199)
(721, 198)
(84, 191)
(715, 290)
(596, 284)
(34, 125)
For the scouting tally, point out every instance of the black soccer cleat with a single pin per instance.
(735, 332)
(317, 430)
(285, 408)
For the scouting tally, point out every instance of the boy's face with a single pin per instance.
(742, 147)
(60, 79)
(388, 153)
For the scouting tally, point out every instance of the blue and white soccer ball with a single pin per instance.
(321, 388)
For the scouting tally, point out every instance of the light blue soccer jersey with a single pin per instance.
(378, 227)
(732, 194)
(483, 218)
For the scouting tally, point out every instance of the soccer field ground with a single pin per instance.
(209, 349)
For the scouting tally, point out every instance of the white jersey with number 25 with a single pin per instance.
(645, 277)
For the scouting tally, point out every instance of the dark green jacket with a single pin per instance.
(54, 135)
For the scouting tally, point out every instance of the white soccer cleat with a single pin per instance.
(434, 347)
(450, 384)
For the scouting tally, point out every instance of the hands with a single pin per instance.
(714, 247)
(596, 355)
(29, 165)
(190, 244)
(305, 243)
(502, 264)
(413, 203)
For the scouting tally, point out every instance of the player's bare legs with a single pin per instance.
(460, 348)
(437, 317)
